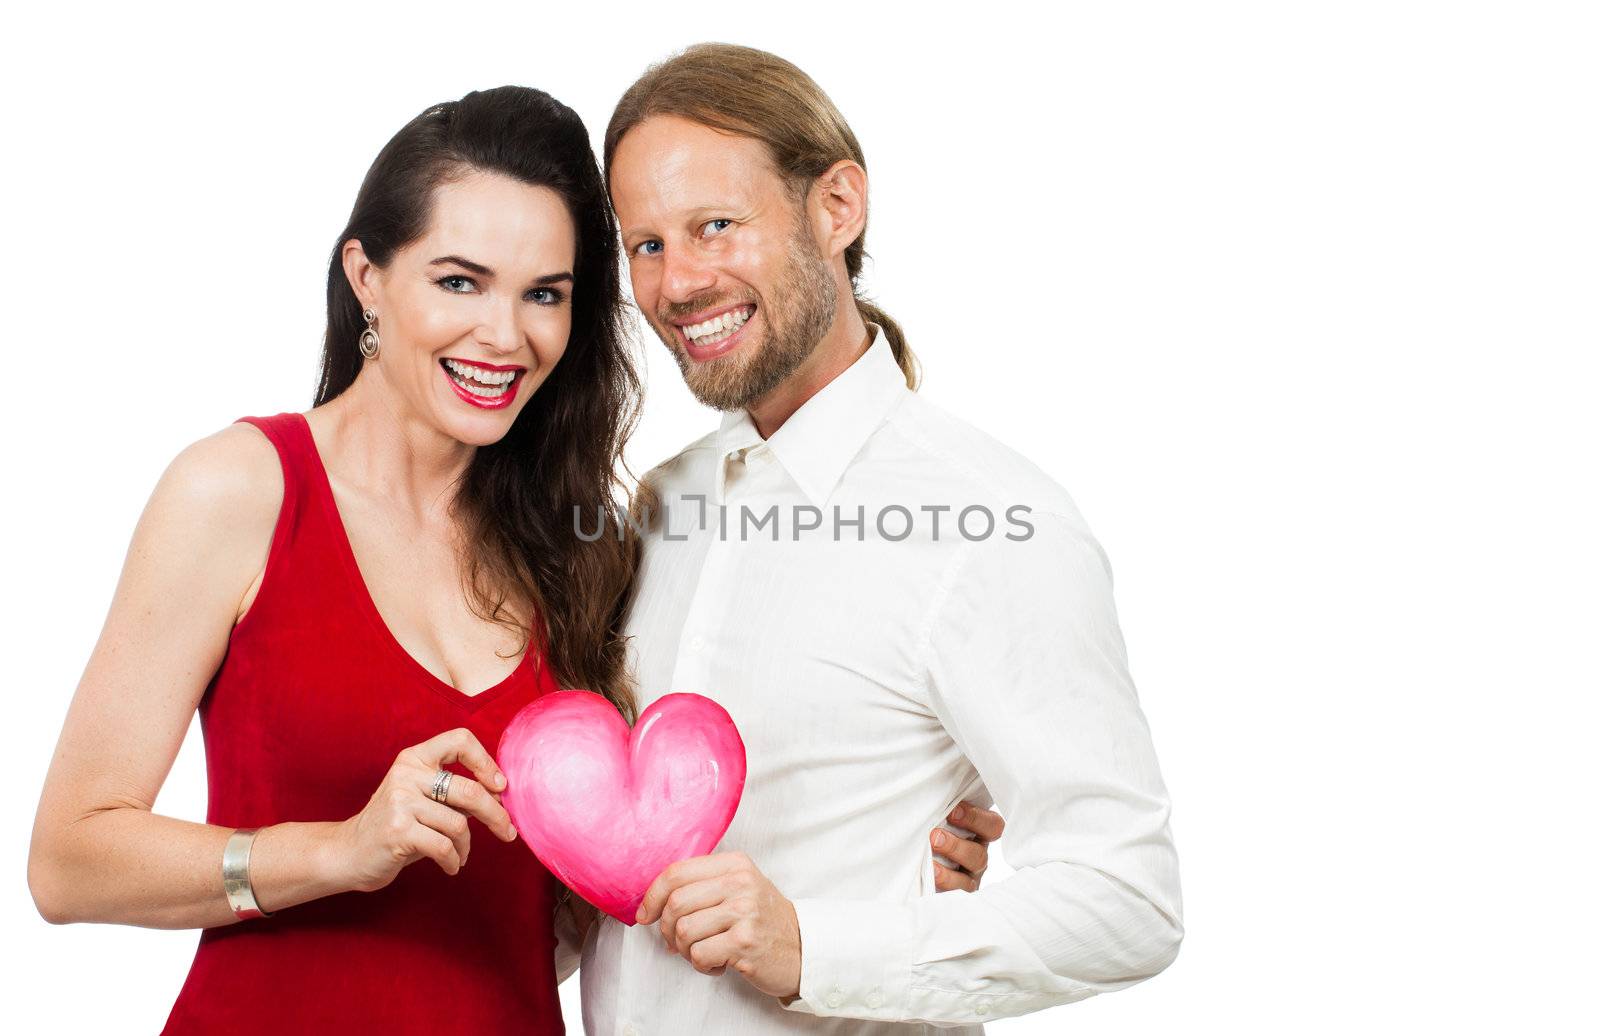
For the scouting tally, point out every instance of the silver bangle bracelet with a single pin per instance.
(236, 875)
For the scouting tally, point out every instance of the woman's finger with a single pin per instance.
(469, 796)
(462, 746)
(968, 854)
(947, 880)
(985, 823)
(448, 822)
(435, 846)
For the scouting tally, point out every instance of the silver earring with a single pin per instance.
(368, 342)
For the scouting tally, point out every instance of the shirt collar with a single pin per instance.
(819, 440)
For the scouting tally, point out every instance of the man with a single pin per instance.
(897, 611)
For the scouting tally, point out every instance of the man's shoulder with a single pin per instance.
(677, 468)
(978, 463)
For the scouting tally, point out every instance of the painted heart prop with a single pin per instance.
(606, 808)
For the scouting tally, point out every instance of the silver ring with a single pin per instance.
(441, 785)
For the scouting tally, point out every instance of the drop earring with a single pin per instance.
(368, 342)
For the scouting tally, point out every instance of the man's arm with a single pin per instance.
(574, 918)
(1027, 671)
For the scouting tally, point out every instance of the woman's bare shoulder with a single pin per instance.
(218, 501)
(233, 474)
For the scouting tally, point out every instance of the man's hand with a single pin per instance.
(970, 855)
(718, 912)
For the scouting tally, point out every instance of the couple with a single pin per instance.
(906, 620)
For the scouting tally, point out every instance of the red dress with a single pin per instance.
(312, 703)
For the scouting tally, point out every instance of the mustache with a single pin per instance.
(676, 311)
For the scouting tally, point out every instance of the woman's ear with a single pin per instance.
(360, 272)
(841, 196)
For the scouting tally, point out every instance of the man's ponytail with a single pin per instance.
(897, 340)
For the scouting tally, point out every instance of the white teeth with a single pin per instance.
(481, 383)
(483, 377)
(712, 330)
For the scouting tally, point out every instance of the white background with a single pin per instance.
(1298, 301)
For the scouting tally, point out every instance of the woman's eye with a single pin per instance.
(456, 283)
(648, 248)
(546, 296)
(717, 226)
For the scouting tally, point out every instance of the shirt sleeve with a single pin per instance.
(569, 947)
(1028, 674)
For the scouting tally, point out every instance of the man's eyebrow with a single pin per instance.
(467, 264)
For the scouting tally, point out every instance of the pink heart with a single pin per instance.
(606, 808)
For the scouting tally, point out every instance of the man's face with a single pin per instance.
(724, 264)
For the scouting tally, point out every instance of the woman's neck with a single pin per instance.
(375, 445)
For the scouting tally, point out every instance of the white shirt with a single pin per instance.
(878, 677)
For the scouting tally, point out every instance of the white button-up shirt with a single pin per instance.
(899, 613)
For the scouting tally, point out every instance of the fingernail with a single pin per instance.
(499, 780)
(941, 839)
(958, 812)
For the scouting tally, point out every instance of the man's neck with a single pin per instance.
(844, 344)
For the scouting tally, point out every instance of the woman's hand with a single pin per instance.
(403, 824)
(970, 854)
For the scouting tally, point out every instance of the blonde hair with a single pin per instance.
(755, 94)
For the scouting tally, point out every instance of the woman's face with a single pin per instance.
(474, 314)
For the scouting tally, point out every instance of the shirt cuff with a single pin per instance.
(855, 958)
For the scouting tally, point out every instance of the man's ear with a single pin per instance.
(839, 197)
(360, 272)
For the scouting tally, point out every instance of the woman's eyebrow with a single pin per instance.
(483, 271)
(466, 264)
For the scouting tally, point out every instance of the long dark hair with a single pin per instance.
(517, 498)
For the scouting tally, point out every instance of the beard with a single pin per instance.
(796, 317)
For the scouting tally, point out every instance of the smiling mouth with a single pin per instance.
(485, 384)
(709, 333)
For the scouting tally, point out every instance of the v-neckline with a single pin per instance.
(369, 607)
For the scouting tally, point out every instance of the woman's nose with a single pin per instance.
(499, 330)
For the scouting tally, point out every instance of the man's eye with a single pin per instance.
(456, 283)
(648, 248)
(717, 226)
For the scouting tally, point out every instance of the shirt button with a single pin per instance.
(875, 999)
(629, 1030)
(981, 1010)
(835, 999)
(697, 643)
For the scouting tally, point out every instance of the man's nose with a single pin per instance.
(683, 275)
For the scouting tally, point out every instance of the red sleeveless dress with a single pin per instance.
(313, 701)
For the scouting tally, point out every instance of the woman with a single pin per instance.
(359, 598)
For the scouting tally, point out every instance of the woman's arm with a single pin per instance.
(98, 852)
